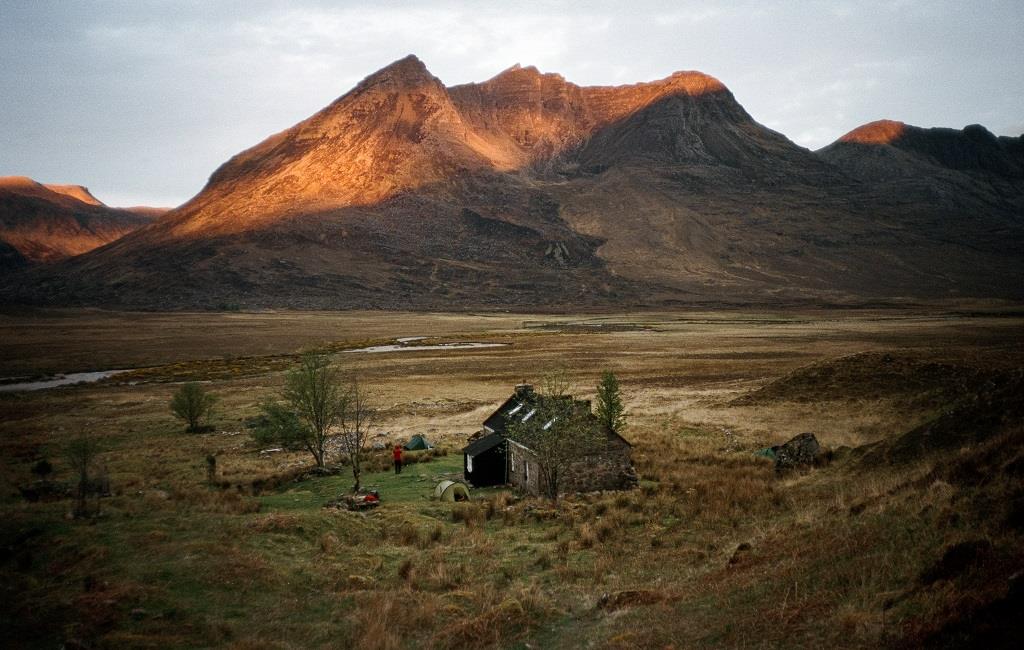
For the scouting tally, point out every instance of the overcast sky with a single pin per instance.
(141, 100)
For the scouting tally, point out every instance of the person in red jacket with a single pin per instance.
(396, 453)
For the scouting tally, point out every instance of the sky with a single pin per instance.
(141, 100)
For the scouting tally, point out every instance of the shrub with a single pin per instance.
(192, 404)
(408, 534)
(585, 536)
(468, 513)
(405, 569)
(42, 469)
(436, 533)
(604, 530)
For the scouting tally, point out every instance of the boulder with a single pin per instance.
(801, 451)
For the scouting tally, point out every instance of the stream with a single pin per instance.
(9, 385)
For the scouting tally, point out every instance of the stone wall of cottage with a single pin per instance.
(607, 469)
(524, 473)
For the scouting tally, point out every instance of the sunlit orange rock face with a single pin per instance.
(47, 223)
(401, 129)
(527, 191)
(880, 132)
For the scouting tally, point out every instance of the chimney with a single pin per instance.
(524, 390)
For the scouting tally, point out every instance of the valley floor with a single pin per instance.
(911, 535)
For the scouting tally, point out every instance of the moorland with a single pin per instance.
(910, 534)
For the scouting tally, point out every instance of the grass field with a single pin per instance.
(880, 547)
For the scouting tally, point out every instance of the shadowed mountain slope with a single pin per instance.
(529, 191)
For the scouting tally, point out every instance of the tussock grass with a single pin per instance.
(713, 549)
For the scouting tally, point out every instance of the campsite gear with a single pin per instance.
(451, 491)
(355, 502)
(362, 502)
(396, 453)
(418, 443)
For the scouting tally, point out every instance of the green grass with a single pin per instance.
(415, 484)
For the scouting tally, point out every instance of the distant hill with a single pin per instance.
(528, 191)
(48, 223)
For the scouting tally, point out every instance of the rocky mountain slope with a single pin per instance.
(48, 223)
(528, 191)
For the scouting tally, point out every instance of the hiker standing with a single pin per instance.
(397, 455)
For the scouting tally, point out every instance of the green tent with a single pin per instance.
(417, 443)
(451, 491)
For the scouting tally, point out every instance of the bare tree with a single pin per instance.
(556, 382)
(81, 452)
(355, 426)
(559, 433)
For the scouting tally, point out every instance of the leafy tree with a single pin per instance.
(558, 433)
(192, 404)
(610, 411)
(81, 452)
(316, 400)
(279, 425)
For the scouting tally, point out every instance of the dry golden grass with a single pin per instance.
(712, 549)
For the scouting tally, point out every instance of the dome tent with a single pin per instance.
(451, 491)
(417, 443)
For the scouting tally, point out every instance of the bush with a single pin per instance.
(42, 469)
(467, 513)
(585, 536)
(192, 404)
(405, 569)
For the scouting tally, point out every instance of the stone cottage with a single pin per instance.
(491, 458)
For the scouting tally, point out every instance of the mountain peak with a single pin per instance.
(519, 74)
(877, 132)
(405, 72)
(26, 185)
(693, 82)
(10, 182)
(78, 192)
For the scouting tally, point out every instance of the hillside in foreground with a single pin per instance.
(910, 536)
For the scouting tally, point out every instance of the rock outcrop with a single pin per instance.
(800, 451)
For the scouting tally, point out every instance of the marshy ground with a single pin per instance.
(911, 535)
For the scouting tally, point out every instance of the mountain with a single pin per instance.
(880, 149)
(528, 191)
(48, 223)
